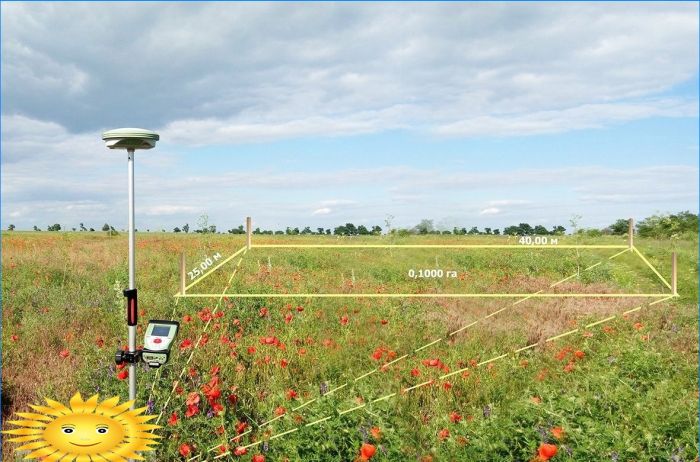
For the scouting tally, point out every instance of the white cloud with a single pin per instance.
(322, 211)
(490, 211)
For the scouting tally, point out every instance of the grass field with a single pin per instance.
(277, 375)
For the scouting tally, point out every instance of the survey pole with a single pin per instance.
(630, 233)
(674, 274)
(132, 275)
(248, 232)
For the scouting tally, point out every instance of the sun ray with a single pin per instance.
(33, 416)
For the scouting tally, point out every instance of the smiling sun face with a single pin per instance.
(86, 431)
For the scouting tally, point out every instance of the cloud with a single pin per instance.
(232, 73)
(322, 211)
(490, 211)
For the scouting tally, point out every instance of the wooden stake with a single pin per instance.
(248, 231)
(630, 233)
(674, 274)
(183, 272)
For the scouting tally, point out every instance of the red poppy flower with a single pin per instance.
(288, 318)
(447, 386)
(251, 350)
(217, 408)
(173, 419)
(185, 450)
(367, 450)
(376, 433)
(240, 427)
(443, 434)
(378, 353)
(185, 344)
(64, 353)
(280, 411)
(122, 375)
(192, 398)
(569, 367)
(547, 451)
(258, 458)
(384, 322)
(240, 451)
(579, 354)
(557, 432)
(283, 363)
(415, 372)
(187, 319)
(263, 312)
(300, 308)
(232, 399)
(344, 321)
(100, 342)
(291, 394)
(191, 411)
(455, 417)
(14, 338)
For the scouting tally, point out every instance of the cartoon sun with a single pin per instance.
(87, 431)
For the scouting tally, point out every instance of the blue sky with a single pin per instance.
(297, 114)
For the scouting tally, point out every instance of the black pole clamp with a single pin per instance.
(131, 307)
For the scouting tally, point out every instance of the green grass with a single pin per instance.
(633, 396)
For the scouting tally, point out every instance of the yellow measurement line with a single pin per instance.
(652, 268)
(437, 246)
(212, 270)
(365, 295)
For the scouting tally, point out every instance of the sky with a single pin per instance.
(318, 114)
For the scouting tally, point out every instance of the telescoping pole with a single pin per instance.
(131, 302)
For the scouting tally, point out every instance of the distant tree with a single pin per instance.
(279, 232)
(320, 230)
(669, 225)
(362, 230)
(424, 227)
(54, 227)
(106, 227)
(186, 228)
(474, 230)
(511, 230)
(447, 231)
(376, 230)
(92, 230)
(620, 227)
(112, 231)
(211, 229)
(340, 231)
(11, 228)
(487, 230)
(82, 227)
(558, 230)
(328, 230)
(526, 229)
(352, 229)
(540, 230)
(73, 229)
(36, 228)
(176, 229)
(496, 231)
(306, 230)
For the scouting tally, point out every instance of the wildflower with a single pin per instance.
(192, 410)
(344, 321)
(300, 308)
(187, 319)
(557, 432)
(447, 386)
(240, 427)
(443, 434)
(536, 399)
(524, 363)
(579, 354)
(173, 419)
(377, 355)
(192, 398)
(122, 375)
(283, 363)
(251, 350)
(415, 372)
(280, 411)
(569, 367)
(14, 338)
(185, 344)
(367, 451)
(258, 458)
(185, 450)
(217, 408)
(588, 334)
(64, 353)
(638, 325)
(376, 433)
(455, 417)
(232, 399)
(269, 340)
(240, 451)
(99, 341)
(291, 394)
(263, 313)
(288, 318)
(546, 451)
(220, 430)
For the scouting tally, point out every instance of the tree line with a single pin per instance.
(657, 226)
